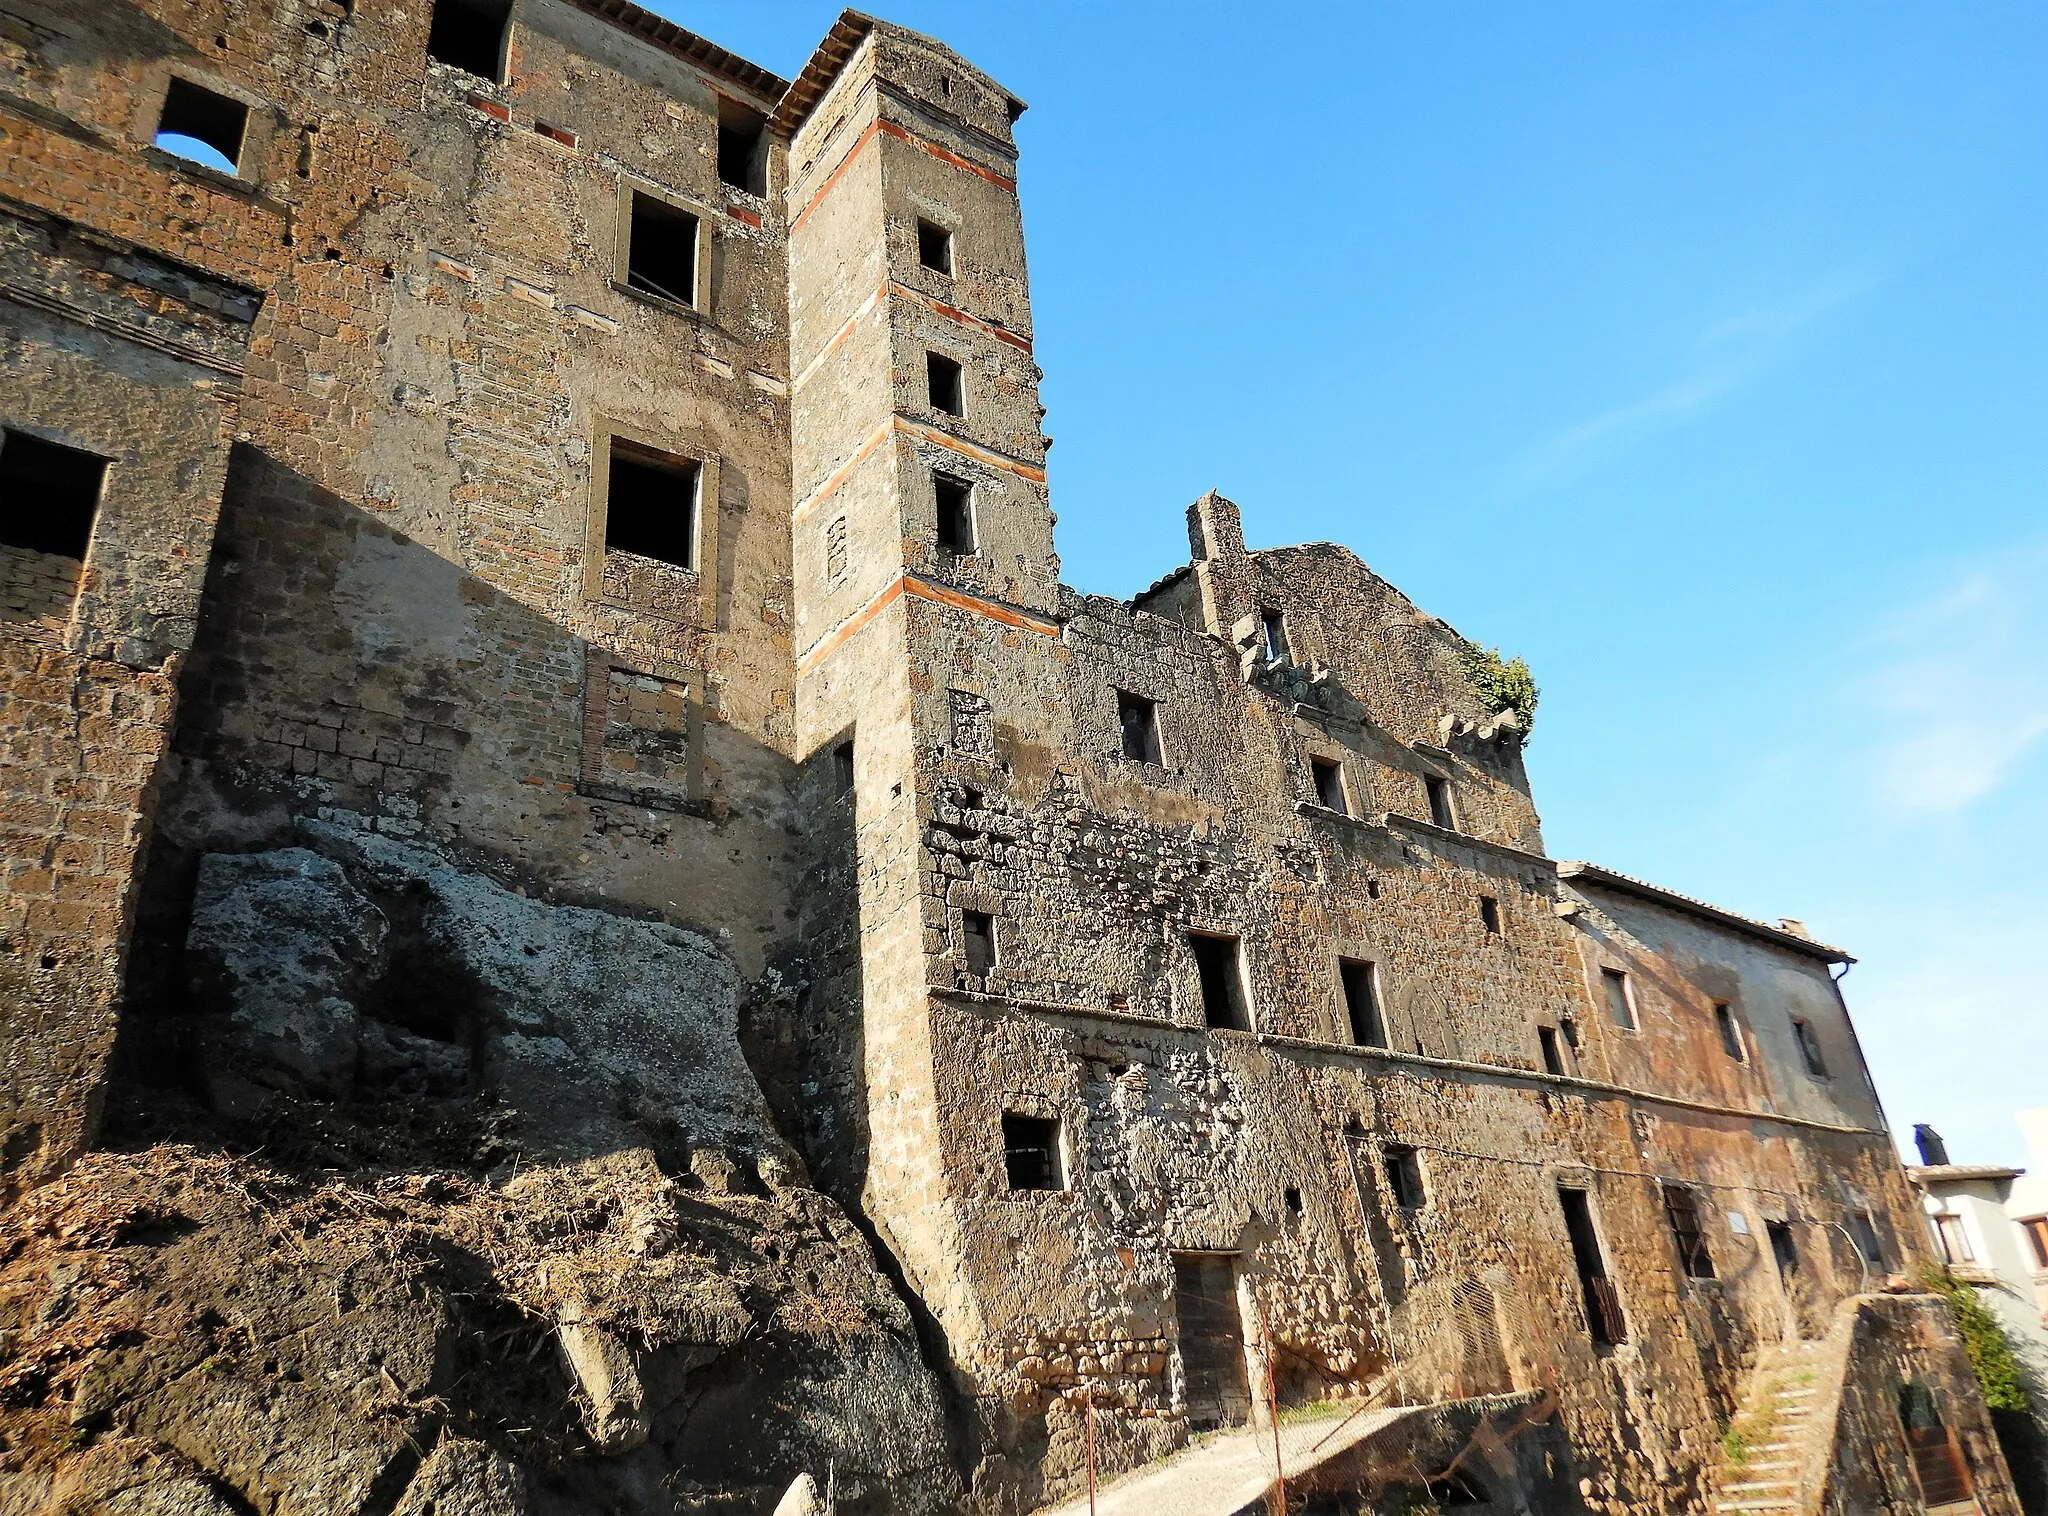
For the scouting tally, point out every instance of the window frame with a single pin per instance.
(1368, 974)
(935, 363)
(497, 74)
(598, 782)
(966, 958)
(1320, 766)
(1240, 978)
(1810, 1055)
(1401, 1166)
(1733, 1043)
(1437, 796)
(1156, 739)
(948, 236)
(691, 606)
(942, 482)
(94, 512)
(1056, 1148)
(699, 303)
(1682, 1203)
(1610, 978)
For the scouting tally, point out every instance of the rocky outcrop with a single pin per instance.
(513, 1233)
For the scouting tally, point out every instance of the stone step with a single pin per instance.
(1752, 1486)
(1755, 1505)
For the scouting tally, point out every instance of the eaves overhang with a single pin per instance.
(1580, 871)
(765, 88)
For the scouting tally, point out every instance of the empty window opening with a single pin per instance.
(1218, 965)
(1809, 1049)
(1864, 1230)
(977, 942)
(835, 550)
(1273, 634)
(1784, 1251)
(201, 126)
(934, 247)
(661, 250)
(1553, 1053)
(1362, 1003)
(1682, 1212)
(1954, 1239)
(972, 800)
(1731, 1034)
(1138, 720)
(1621, 1006)
(945, 384)
(470, 35)
(1031, 1152)
(1404, 1176)
(1604, 1320)
(1329, 778)
(955, 500)
(2036, 1228)
(742, 147)
(49, 495)
(842, 769)
(651, 506)
(1292, 1197)
(1438, 792)
(1489, 915)
(1938, 1466)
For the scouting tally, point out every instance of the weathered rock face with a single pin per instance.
(377, 965)
(592, 1278)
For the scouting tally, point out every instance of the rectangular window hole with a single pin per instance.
(842, 769)
(1329, 778)
(651, 505)
(1553, 1050)
(742, 147)
(1489, 915)
(470, 35)
(934, 247)
(955, 501)
(1621, 1009)
(1731, 1034)
(977, 942)
(1138, 723)
(1362, 1003)
(1682, 1212)
(1404, 1176)
(1809, 1048)
(1031, 1152)
(1438, 792)
(1219, 966)
(1273, 635)
(661, 249)
(944, 384)
(202, 126)
(49, 495)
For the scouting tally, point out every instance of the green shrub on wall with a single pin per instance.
(1501, 684)
(1998, 1375)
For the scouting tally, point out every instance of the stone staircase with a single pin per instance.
(1783, 1432)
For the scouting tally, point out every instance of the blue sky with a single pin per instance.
(1698, 353)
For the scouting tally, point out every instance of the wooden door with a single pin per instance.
(1211, 1339)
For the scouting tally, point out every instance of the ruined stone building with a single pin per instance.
(589, 926)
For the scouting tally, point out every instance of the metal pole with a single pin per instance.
(1272, 1409)
(1088, 1420)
